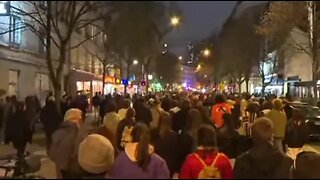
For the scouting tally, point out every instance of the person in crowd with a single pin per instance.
(96, 103)
(180, 118)
(156, 110)
(66, 105)
(228, 137)
(204, 111)
(6, 114)
(123, 111)
(279, 120)
(128, 122)
(219, 109)
(111, 119)
(139, 161)
(50, 118)
(307, 166)
(288, 109)
(96, 156)
(187, 139)
(207, 161)
(165, 142)
(236, 112)
(65, 144)
(263, 160)
(296, 134)
(143, 113)
(18, 132)
(243, 104)
(32, 113)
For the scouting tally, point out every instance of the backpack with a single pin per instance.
(209, 172)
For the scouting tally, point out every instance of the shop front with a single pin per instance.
(84, 81)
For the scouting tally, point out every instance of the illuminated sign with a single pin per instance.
(4, 7)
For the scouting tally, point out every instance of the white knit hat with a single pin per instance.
(96, 154)
(73, 114)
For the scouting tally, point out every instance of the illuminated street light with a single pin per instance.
(180, 57)
(150, 77)
(175, 21)
(206, 52)
(165, 45)
(182, 69)
(135, 62)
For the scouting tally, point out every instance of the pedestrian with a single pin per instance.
(128, 122)
(50, 119)
(165, 142)
(143, 113)
(207, 162)
(219, 109)
(111, 119)
(32, 113)
(65, 144)
(18, 132)
(187, 139)
(156, 110)
(279, 120)
(296, 134)
(263, 160)
(6, 115)
(180, 117)
(96, 103)
(125, 106)
(139, 161)
(307, 166)
(96, 156)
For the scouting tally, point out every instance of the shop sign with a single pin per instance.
(109, 79)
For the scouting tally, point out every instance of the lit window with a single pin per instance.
(4, 7)
(17, 27)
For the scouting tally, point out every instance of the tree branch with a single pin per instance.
(80, 43)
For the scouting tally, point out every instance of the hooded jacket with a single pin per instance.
(262, 162)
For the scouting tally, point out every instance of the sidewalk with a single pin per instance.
(38, 147)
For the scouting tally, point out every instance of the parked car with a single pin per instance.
(312, 114)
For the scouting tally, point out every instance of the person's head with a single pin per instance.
(220, 98)
(228, 120)
(207, 137)
(165, 123)
(194, 120)
(307, 166)
(96, 94)
(96, 154)
(20, 107)
(185, 104)
(8, 99)
(141, 135)
(74, 115)
(111, 107)
(126, 103)
(14, 98)
(277, 104)
(130, 113)
(262, 131)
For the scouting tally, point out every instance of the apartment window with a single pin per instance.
(4, 7)
(17, 30)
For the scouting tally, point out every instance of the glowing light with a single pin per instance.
(135, 62)
(175, 21)
(180, 57)
(206, 52)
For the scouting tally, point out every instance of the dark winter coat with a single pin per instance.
(18, 130)
(262, 162)
(185, 146)
(296, 135)
(179, 120)
(166, 147)
(50, 118)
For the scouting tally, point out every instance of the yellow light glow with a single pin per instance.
(206, 52)
(175, 21)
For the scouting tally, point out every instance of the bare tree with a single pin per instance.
(56, 23)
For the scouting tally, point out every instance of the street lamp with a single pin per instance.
(175, 21)
(150, 77)
(165, 45)
(135, 62)
(180, 57)
(206, 52)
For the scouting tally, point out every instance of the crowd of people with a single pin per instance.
(168, 135)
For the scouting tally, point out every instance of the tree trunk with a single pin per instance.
(103, 78)
(263, 86)
(239, 85)
(247, 85)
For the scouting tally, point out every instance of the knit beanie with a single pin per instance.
(96, 154)
(73, 114)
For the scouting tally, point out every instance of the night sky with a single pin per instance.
(200, 19)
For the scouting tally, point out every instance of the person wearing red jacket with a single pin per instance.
(207, 152)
